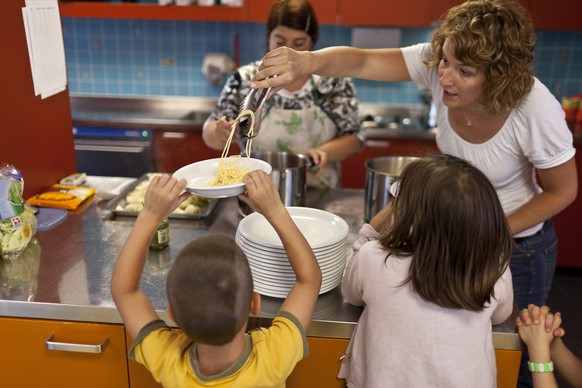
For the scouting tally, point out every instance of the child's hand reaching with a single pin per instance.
(163, 196)
(261, 194)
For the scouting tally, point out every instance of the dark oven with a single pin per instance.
(114, 152)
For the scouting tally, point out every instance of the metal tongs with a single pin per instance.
(255, 102)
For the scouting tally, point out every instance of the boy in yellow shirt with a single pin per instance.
(210, 296)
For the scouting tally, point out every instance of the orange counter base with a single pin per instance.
(320, 368)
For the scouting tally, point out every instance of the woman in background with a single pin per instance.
(316, 116)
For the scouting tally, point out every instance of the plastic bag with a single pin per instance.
(18, 278)
(17, 221)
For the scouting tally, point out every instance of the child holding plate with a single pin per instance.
(210, 296)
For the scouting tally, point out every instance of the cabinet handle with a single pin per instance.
(106, 148)
(173, 135)
(70, 347)
(377, 143)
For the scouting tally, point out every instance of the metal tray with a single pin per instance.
(121, 200)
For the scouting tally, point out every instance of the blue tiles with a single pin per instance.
(155, 57)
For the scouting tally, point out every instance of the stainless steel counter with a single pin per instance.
(170, 113)
(189, 113)
(65, 275)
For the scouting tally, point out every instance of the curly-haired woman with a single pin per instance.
(490, 111)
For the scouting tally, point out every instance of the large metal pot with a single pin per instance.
(380, 175)
(289, 176)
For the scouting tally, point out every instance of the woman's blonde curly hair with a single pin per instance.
(497, 37)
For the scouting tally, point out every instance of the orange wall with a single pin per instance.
(35, 134)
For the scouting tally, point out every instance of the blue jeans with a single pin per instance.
(533, 262)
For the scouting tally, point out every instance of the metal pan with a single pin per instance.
(118, 205)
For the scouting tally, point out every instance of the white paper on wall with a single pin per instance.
(44, 36)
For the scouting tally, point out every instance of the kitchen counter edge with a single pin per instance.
(110, 315)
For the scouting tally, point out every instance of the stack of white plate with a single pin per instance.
(272, 273)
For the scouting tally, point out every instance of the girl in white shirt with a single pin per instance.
(431, 269)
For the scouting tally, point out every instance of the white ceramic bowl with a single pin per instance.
(199, 174)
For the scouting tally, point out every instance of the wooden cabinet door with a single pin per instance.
(258, 10)
(152, 11)
(320, 367)
(139, 376)
(557, 14)
(440, 7)
(354, 168)
(389, 13)
(175, 149)
(507, 367)
(25, 360)
(31, 125)
(567, 224)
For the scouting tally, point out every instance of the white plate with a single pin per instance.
(324, 264)
(243, 241)
(201, 173)
(319, 227)
(281, 257)
(287, 280)
(283, 262)
(268, 289)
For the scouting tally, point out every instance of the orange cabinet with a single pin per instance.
(557, 14)
(320, 367)
(92, 9)
(440, 7)
(252, 11)
(567, 224)
(31, 125)
(385, 13)
(139, 376)
(175, 149)
(258, 10)
(45, 353)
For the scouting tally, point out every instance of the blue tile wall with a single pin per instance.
(149, 57)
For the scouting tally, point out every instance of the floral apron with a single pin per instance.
(296, 131)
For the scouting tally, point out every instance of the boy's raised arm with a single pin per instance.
(136, 310)
(264, 198)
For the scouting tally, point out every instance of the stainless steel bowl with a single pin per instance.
(380, 175)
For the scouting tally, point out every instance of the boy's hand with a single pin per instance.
(264, 198)
(163, 196)
(261, 194)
